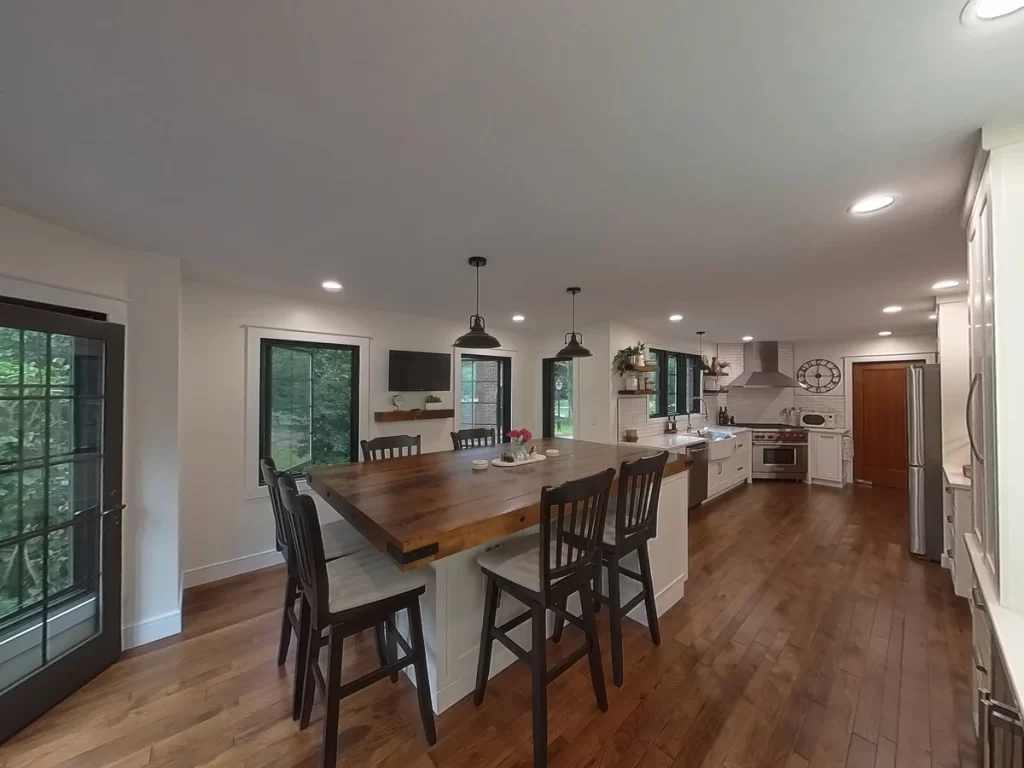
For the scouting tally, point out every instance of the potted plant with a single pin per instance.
(628, 358)
(519, 438)
(432, 403)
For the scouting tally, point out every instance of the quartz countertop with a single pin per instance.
(833, 430)
(670, 441)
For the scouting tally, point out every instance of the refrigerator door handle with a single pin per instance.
(970, 418)
(918, 542)
(915, 416)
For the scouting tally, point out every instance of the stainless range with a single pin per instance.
(779, 451)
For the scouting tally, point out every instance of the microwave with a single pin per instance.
(820, 419)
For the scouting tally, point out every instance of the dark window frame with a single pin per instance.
(683, 360)
(265, 404)
(505, 366)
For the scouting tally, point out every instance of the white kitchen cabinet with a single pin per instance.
(957, 521)
(825, 458)
(726, 474)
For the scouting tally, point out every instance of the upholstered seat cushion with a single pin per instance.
(518, 561)
(341, 539)
(365, 577)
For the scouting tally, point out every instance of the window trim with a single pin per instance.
(254, 335)
(662, 387)
(266, 344)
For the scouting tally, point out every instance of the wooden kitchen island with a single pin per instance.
(435, 511)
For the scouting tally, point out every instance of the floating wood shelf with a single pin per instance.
(417, 415)
(636, 392)
(641, 368)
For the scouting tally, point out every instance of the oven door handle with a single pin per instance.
(782, 445)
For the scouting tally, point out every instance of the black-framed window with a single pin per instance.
(309, 404)
(678, 384)
(486, 393)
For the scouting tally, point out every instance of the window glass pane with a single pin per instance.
(562, 398)
(484, 393)
(672, 382)
(311, 416)
(652, 400)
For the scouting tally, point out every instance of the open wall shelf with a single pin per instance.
(418, 415)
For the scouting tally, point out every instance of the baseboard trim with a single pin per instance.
(228, 568)
(150, 630)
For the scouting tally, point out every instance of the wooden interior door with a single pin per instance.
(880, 423)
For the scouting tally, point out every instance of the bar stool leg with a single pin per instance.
(594, 653)
(556, 636)
(422, 676)
(301, 652)
(615, 619)
(290, 592)
(652, 609)
(308, 678)
(333, 703)
(483, 669)
(538, 657)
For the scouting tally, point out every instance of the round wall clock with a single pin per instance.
(819, 376)
(398, 401)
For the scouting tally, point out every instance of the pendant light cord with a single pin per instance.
(574, 314)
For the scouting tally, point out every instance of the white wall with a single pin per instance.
(225, 532)
(954, 357)
(593, 409)
(48, 263)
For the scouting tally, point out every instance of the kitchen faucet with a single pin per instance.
(707, 412)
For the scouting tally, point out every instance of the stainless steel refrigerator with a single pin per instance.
(924, 457)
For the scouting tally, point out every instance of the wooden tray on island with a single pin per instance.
(532, 460)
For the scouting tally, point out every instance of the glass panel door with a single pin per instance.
(559, 418)
(486, 394)
(61, 403)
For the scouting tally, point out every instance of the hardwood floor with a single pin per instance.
(807, 637)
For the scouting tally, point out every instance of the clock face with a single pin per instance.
(398, 400)
(819, 376)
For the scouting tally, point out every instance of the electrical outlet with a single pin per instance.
(593, 421)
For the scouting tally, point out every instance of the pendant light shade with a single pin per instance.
(574, 341)
(477, 337)
(704, 367)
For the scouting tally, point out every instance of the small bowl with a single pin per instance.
(481, 464)
(552, 452)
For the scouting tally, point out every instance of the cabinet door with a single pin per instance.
(716, 476)
(830, 457)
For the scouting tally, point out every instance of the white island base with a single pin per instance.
(453, 605)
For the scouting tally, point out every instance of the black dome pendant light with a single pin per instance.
(574, 341)
(477, 337)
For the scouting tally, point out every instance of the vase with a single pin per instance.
(519, 446)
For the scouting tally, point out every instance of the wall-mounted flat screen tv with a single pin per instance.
(419, 371)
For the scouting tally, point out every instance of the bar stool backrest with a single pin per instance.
(636, 507)
(308, 543)
(390, 447)
(479, 437)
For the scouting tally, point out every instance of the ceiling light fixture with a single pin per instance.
(748, 338)
(885, 333)
(989, 10)
(518, 318)
(872, 204)
(933, 316)
(893, 309)
(331, 285)
(574, 341)
(675, 318)
(943, 285)
(703, 363)
(477, 337)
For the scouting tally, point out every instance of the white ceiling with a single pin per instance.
(693, 157)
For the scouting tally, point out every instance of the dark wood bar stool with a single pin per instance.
(634, 523)
(543, 571)
(340, 598)
(390, 447)
(480, 437)
(339, 539)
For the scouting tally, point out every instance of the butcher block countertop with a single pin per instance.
(418, 509)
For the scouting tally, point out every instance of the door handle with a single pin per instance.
(118, 508)
(970, 425)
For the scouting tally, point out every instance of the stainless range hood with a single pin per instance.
(761, 367)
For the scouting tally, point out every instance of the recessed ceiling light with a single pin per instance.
(944, 284)
(675, 318)
(893, 309)
(331, 285)
(987, 10)
(748, 338)
(933, 316)
(518, 318)
(872, 204)
(885, 333)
